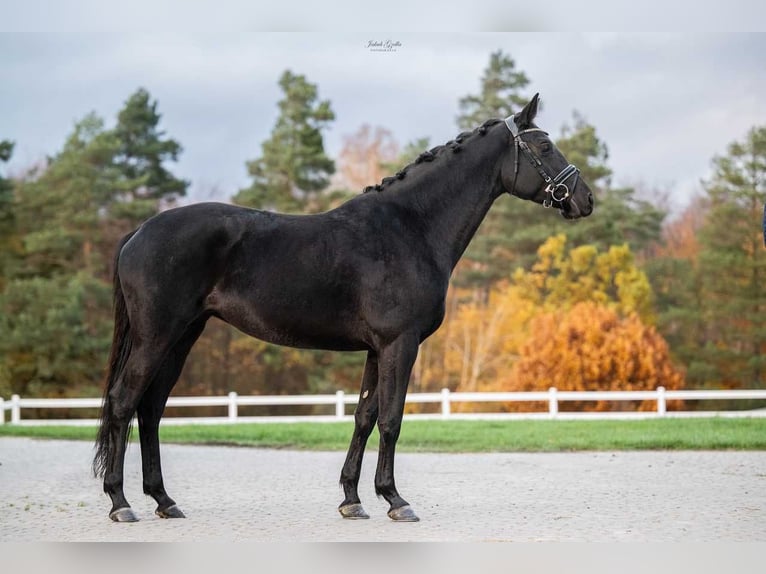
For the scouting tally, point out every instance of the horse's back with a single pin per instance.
(324, 281)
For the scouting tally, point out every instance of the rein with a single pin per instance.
(556, 190)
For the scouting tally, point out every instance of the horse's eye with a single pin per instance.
(545, 147)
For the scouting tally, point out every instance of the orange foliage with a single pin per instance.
(591, 347)
(364, 155)
(681, 236)
(579, 319)
(483, 341)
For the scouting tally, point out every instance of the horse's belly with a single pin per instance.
(303, 339)
(309, 326)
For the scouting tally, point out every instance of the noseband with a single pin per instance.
(556, 189)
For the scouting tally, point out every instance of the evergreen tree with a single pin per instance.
(54, 336)
(55, 306)
(6, 215)
(500, 93)
(141, 151)
(582, 147)
(620, 216)
(733, 266)
(290, 176)
(58, 207)
(679, 302)
(673, 271)
(490, 256)
(54, 310)
(293, 168)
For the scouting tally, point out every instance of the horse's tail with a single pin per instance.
(121, 344)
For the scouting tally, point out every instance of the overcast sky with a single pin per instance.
(665, 104)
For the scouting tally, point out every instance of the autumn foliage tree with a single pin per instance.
(365, 156)
(484, 339)
(562, 277)
(483, 343)
(591, 347)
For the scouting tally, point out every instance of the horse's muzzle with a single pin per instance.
(576, 207)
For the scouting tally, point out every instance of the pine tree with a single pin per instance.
(490, 255)
(289, 176)
(733, 265)
(54, 327)
(142, 150)
(54, 335)
(6, 214)
(500, 93)
(673, 271)
(58, 208)
(293, 168)
(621, 215)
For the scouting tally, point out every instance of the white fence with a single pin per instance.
(445, 399)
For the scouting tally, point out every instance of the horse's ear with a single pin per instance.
(526, 116)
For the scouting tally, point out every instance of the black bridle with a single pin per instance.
(557, 192)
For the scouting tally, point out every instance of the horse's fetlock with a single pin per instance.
(153, 487)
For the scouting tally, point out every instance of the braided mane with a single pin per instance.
(429, 155)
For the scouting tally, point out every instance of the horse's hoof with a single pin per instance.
(403, 514)
(353, 511)
(170, 512)
(123, 515)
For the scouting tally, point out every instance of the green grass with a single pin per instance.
(463, 436)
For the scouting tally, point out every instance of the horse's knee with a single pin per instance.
(364, 423)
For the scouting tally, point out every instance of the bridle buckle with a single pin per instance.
(554, 188)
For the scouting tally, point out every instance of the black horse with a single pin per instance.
(371, 276)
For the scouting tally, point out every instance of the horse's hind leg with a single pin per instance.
(122, 401)
(150, 409)
(364, 421)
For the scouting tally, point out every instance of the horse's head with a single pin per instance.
(536, 170)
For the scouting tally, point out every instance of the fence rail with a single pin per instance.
(445, 398)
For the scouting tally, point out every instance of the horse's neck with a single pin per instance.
(452, 200)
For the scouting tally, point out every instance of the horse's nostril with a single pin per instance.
(590, 199)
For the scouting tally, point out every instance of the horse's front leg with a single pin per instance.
(364, 421)
(394, 368)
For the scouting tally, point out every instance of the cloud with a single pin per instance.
(663, 103)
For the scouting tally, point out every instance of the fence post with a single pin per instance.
(445, 402)
(2, 411)
(661, 402)
(15, 409)
(553, 402)
(232, 406)
(340, 404)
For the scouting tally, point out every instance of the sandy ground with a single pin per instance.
(243, 494)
